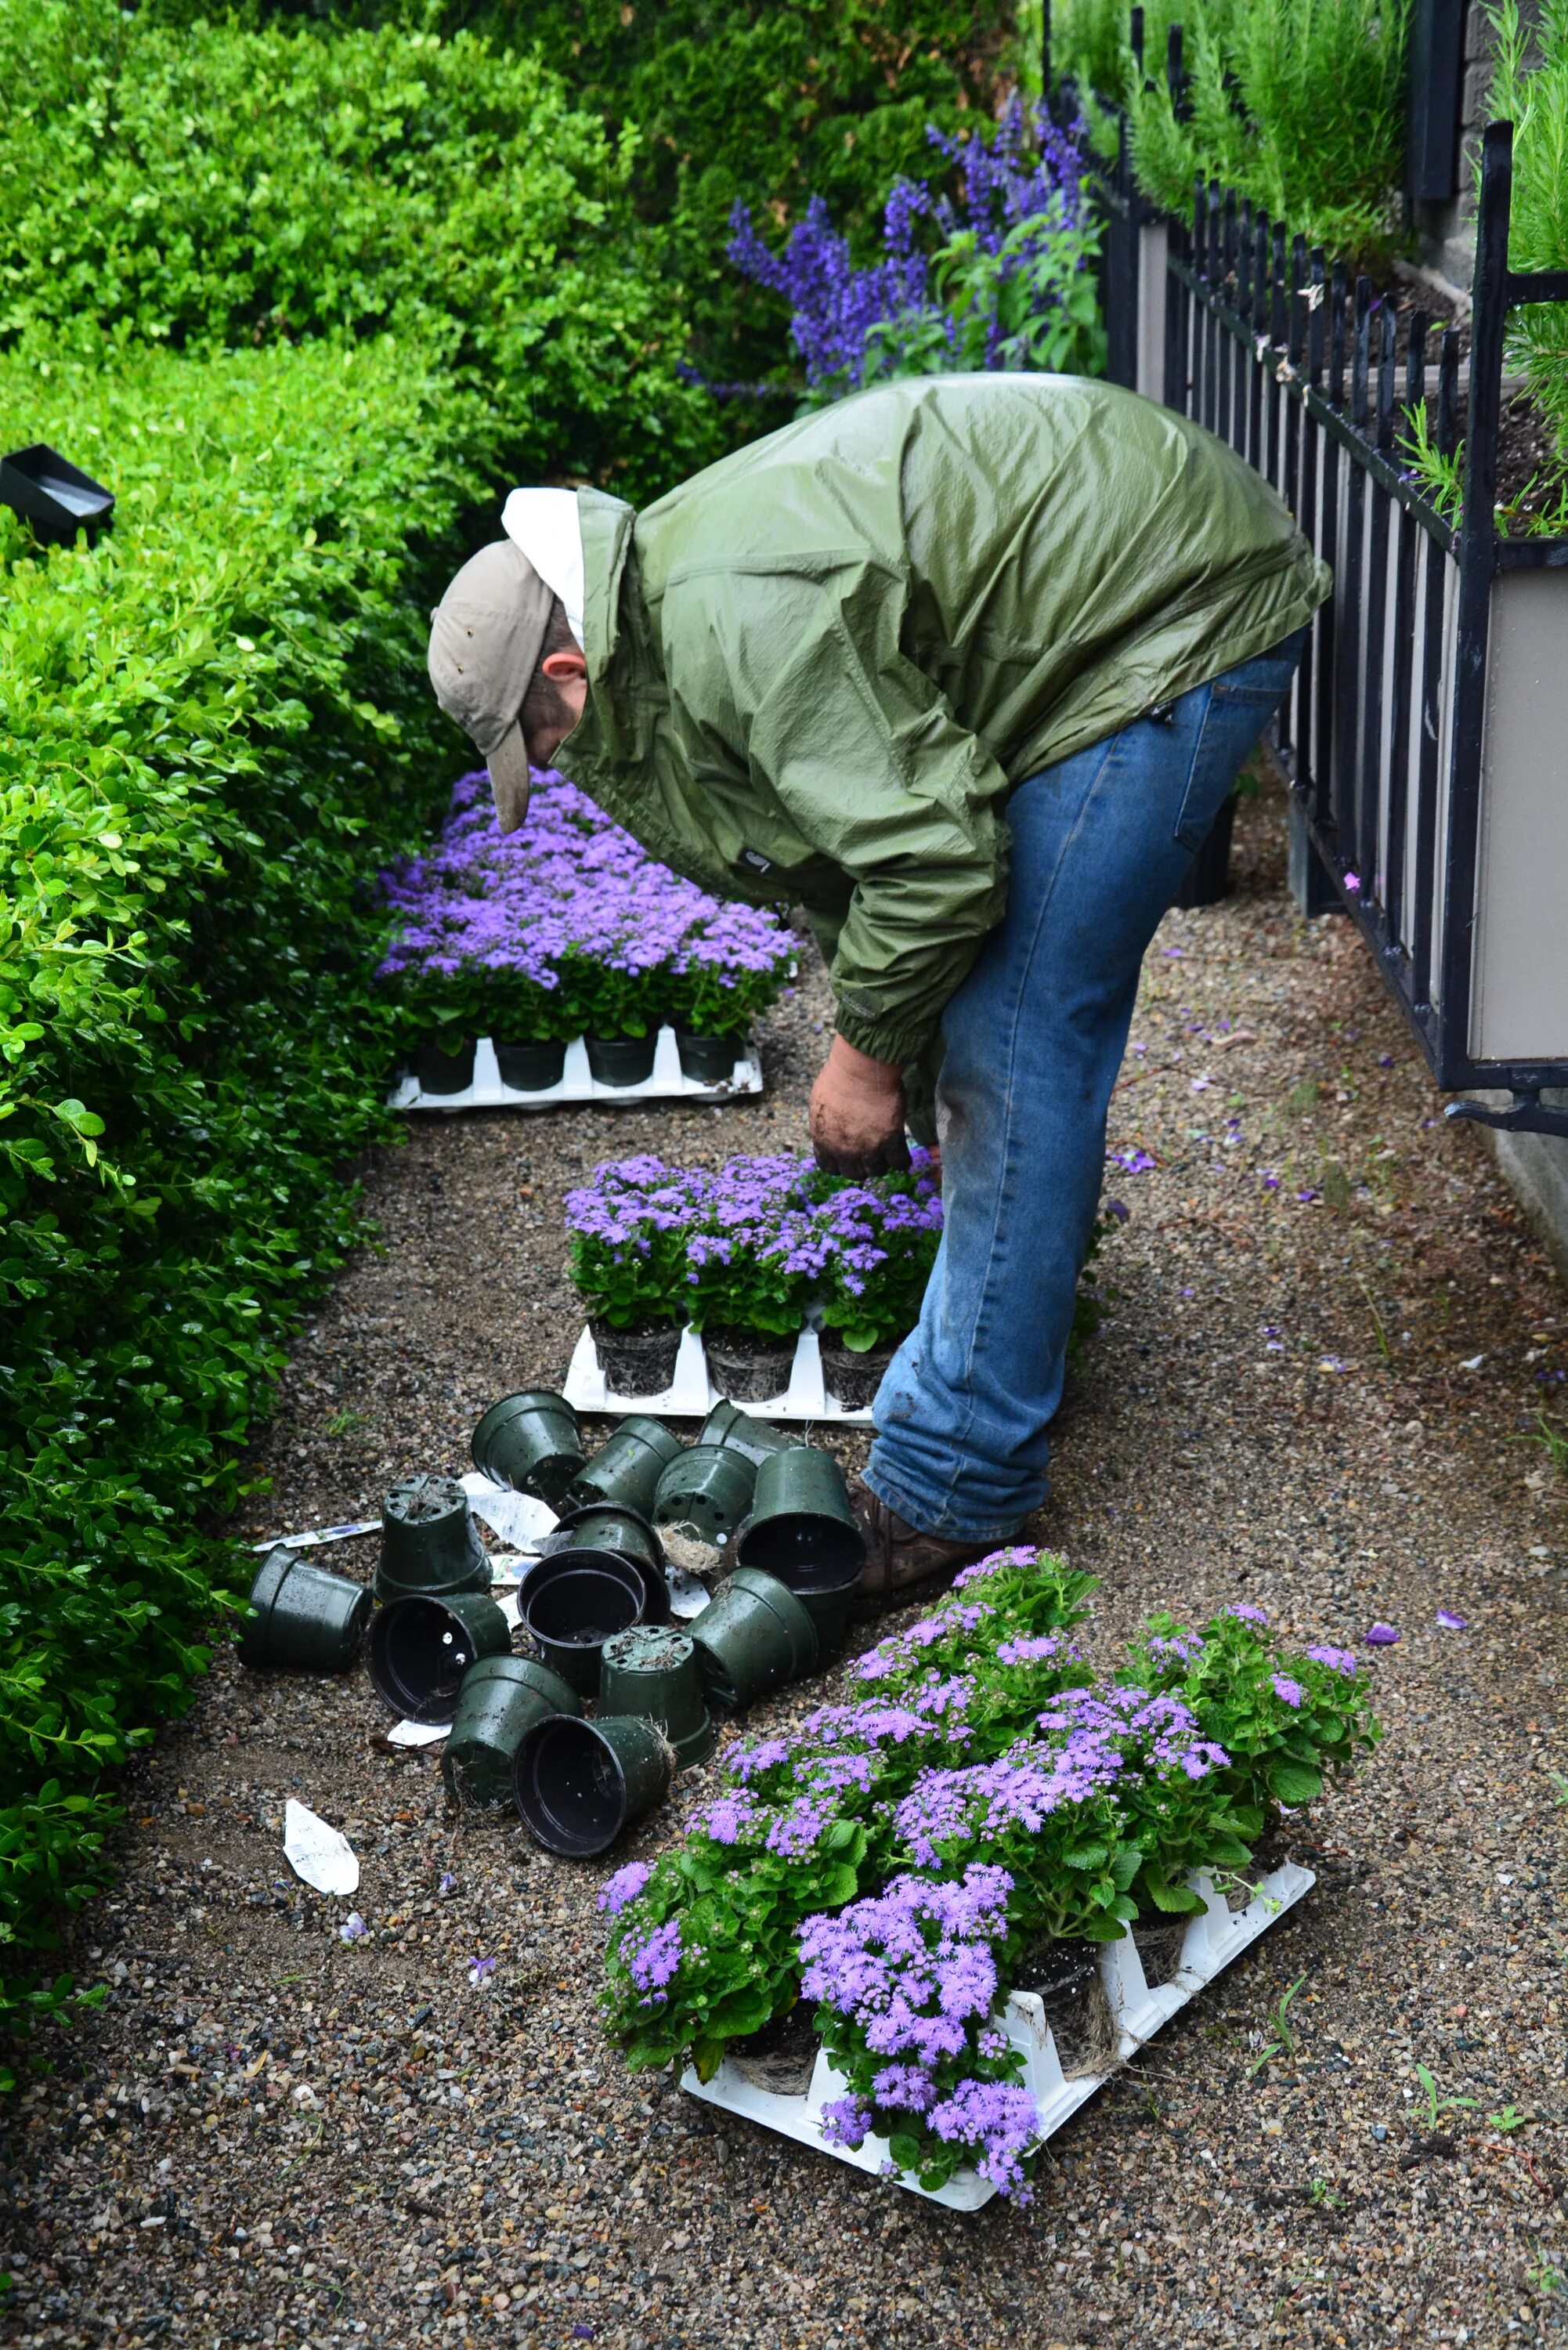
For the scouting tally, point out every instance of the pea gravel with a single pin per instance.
(1308, 1391)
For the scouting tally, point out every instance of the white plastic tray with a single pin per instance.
(693, 1395)
(1213, 1939)
(666, 1083)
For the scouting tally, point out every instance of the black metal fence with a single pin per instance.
(1426, 738)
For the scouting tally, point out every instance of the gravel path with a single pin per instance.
(1309, 1392)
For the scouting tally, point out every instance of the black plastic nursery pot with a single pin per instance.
(501, 1700)
(803, 1527)
(651, 1671)
(600, 1529)
(303, 1619)
(853, 1380)
(627, 1468)
(621, 1060)
(742, 1364)
(829, 1613)
(531, 1068)
(752, 1639)
(640, 1361)
(705, 1491)
(578, 1783)
(420, 1647)
(709, 1060)
(443, 1073)
(530, 1442)
(573, 1602)
(728, 1425)
(1208, 875)
(429, 1539)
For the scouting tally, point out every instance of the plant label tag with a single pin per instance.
(756, 860)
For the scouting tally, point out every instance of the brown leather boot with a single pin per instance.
(902, 1563)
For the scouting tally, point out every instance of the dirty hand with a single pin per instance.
(858, 1114)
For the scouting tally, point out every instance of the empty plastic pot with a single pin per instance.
(421, 1645)
(601, 1528)
(728, 1425)
(652, 1671)
(627, 1468)
(706, 1491)
(802, 1527)
(429, 1539)
(302, 1618)
(750, 1639)
(530, 1442)
(829, 1613)
(574, 1603)
(501, 1700)
(578, 1783)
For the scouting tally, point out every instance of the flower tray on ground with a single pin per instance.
(578, 1085)
(692, 1395)
(1212, 1940)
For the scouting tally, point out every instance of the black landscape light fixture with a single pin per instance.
(56, 496)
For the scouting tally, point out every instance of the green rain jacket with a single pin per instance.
(817, 669)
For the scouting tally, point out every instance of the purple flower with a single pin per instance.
(1450, 1622)
(447, 1887)
(999, 2120)
(1380, 1636)
(624, 1887)
(845, 2121)
(1338, 1660)
(652, 1961)
(480, 1971)
(1247, 1615)
(1353, 883)
(353, 1928)
(1292, 1693)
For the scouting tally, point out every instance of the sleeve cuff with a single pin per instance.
(885, 1040)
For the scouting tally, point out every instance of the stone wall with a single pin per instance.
(1448, 230)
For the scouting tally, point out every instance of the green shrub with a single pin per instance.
(214, 185)
(1535, 101)
(1297, 104)
(208, 723)
(736, 100)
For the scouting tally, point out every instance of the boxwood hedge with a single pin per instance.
(205, 722)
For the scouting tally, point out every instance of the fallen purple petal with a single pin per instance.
(480, 1971)
(353, 1928)
(1380, 1636)
(1452, 1623)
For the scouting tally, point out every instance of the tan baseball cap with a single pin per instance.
(487, 636)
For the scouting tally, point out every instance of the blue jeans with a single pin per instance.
(1031, 1044)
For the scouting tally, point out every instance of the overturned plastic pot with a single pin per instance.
(530, 1442)
(421, 1645)
(501, 1700)
(737, 1432)
(303, 1619)
(605, 1528)
(578, 1783)
(429, 1539)
(705, 1491)
(627, 1470)
(652, 1671)
(752, 1639)
(576, 1601)
(803, 1526)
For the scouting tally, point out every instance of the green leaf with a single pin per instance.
(1293, 1783)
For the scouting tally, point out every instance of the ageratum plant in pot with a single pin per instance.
(753, 1259)
(726, 971)
(876, 1244)
(568, 927)
(627, 1233)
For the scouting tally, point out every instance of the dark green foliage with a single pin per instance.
(205, 724)
(738, 99)
(219, 186)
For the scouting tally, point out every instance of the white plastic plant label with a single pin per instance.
(321, 1855)
(518, 1518)
(418, 1734)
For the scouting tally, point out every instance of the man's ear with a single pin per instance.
(566, 663)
